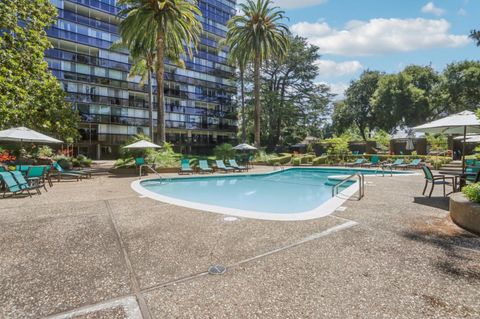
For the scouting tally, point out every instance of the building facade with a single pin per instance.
(113, 106)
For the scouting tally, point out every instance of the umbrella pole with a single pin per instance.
(463, 148)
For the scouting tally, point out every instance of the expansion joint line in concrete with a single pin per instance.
(133, 279)
(329, 231)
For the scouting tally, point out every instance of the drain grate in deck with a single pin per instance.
(217, 270)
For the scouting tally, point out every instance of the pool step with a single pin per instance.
(331, 181)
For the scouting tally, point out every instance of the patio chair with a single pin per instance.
(233, 163)
(185, 167)
(358, 162)
(61, 173)
(374, 161)
(37, 175)
(436, 180)
(203, 167)
(13, 186)
(221, 166)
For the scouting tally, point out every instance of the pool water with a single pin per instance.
(289, 191)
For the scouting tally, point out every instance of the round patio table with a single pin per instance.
(461, 176)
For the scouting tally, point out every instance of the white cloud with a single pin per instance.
(431, 8)
(292, 4)
(380, 36)
(338, 89)
(462, 12)
(329, 68)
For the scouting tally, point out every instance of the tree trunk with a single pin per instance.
(258, 109)
(160, 88)
(242, 93)
(150, 103)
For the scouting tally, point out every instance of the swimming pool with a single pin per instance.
(290, 194)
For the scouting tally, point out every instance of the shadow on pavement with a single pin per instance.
(436, 202)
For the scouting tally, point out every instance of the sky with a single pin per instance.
(385, 35)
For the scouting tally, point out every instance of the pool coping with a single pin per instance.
(325, 209)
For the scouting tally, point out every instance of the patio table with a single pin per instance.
(460, 176)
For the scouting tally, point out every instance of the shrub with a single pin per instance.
(296, 161)
(285, 159)
(320, 160)
(125, 163)
(45, 151)
(64, 161)
(472, 192)
(224, 151)
(262, 157)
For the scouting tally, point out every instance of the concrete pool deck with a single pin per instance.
(95, 249)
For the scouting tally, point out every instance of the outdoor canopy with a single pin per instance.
(23, 134)
(460, 123)
(142, 144)
(244, 147)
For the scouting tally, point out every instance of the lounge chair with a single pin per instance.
(84, 172)
(221, 166)
(374, 161)
(64, 173)
(358, 162)
(233, 163)
(203, 167)
(141, 163)
(436, 180)
(37, 175)
(416, 163)
(185, 167)
(13, 185)
(398, 163)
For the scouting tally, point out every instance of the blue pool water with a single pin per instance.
(289, 191)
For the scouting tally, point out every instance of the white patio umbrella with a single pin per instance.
(469, 138)
(244, 147)
(23, 134)
(460, 123)
(142, 144)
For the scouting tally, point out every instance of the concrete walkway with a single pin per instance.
(95, 249)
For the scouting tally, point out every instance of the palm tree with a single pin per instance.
(255, 35)
(175, 29)
(475, 35)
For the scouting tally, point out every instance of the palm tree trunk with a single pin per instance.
(257, 98)
(150, 103)
(160, 88)
(244, 119)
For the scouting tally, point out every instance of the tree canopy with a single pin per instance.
(30, 95)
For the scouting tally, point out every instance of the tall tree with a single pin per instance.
(294, 104)
(357, 108)
(475, 35)
(29, 93)
(259, 32)
(176, 30)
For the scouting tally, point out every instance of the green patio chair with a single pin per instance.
(37, 175)
(436, 180)
(374, 161)
(12, 185)
(221, 166)
(61, 173)
(416, 163)
(22, 182)
(185, 167)
(83, 172)
(203, 167)
(233, 163)
(397, 163)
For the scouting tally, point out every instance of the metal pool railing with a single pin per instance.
(361, 185)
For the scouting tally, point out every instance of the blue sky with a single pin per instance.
(386, 35)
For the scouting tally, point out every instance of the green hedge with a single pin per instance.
(472, 192)
(296, 161)
(284, 159)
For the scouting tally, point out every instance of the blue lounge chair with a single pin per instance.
(64, 173)
(203, 167)
(221, 166)
(358, 162)
(185, 167)
(374, 161)
(233, 163)
(416, 163)
(398, 163)
(13, 185)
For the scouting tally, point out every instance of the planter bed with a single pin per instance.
(465, 213)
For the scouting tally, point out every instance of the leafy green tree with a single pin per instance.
(224, 151)
(475, 35)
(174, 26)
(357, 109)
(259, 33)
(294, 104)
(29, 93)
(460, 87)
